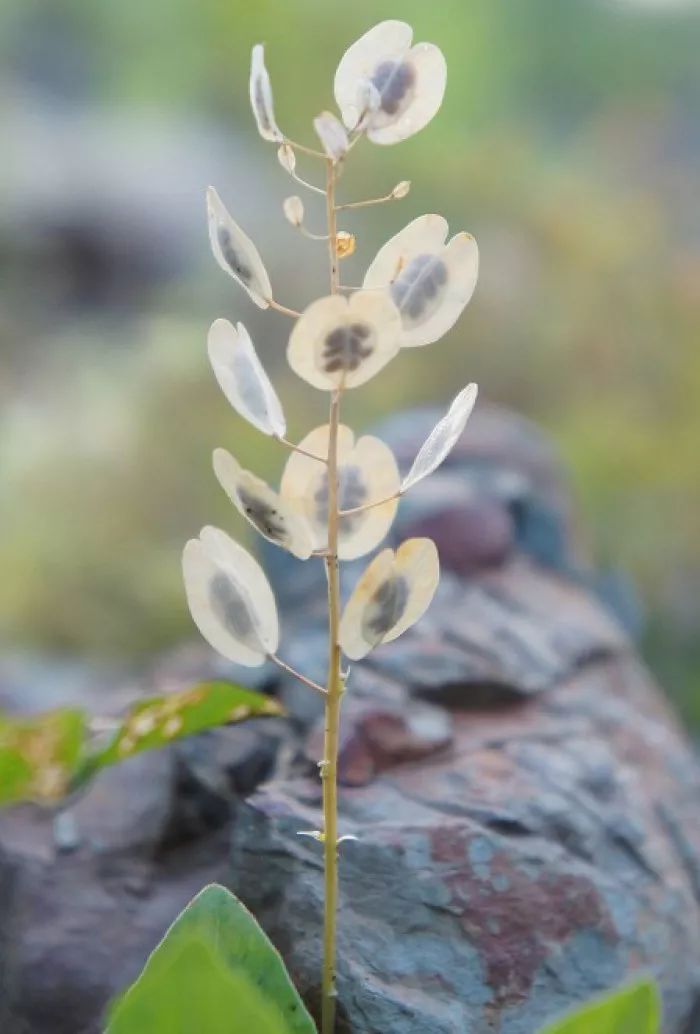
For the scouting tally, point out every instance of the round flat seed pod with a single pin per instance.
(392, 594)
(230, 598)
(343, 342)
(387, 86)
(429, 281)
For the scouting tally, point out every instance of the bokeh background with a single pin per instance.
(568, 143)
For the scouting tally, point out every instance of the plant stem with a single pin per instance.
(302, 452)
(366, 204)
(369, 506)
(297, 674)
(334, 689)
(285, 310)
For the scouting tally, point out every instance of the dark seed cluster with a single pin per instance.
(346, 347)
(265, 517)
(385, 608)
(231, 608)
(393, 80)
(352, 492)
(417, 288)
(249, 385)
(233, 259)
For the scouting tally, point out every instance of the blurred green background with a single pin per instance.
(568, 143)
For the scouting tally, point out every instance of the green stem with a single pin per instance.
(334, 689)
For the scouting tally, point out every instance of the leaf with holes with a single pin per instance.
(157, 721)
(39, 755)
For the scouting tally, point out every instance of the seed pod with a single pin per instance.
(236, 253)
(392, 594)
(344, 341)
(332, 135)
(367, 473)
(230, 598)
(242, 378)
(442, 439)
(262, 507)
(261, 96)
(430, 282)
(293, 208)
(287, 157)
(407, 83)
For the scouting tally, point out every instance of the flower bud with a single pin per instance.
(293, 210)
(344, 244)
(401, 189)
(332, 135)
(286, 157)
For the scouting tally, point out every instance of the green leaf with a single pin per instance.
(47, 756)
(195, 992)
(634, 1009)
(227, 959)
(158, 721)
(39, 755)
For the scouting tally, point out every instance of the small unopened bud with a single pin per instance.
(368, 102)
(286, 157)
(401, 189)
(293, 210)
(332, 135)
(344, 244)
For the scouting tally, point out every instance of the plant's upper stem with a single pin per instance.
(329, 767)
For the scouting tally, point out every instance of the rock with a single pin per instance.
(127, 808)
(476, 535)
(375, 736)
(529, 868)
(217, 767)
(9, 934)
(88, 922)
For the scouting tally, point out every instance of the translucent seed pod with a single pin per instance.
(392, 594)
(367, 473)
(408, 83)
(230, 598)
(293, 208)
(235, 252)
(261, 97)
(430, 281)
(286, 157)
(332, 135)
(242, 378)
(261, 506)
(340, 341)
(443, 438)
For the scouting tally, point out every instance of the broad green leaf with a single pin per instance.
(157, 721)
(195, 992)
(218, 920)
(634, 1009)
(39, 755)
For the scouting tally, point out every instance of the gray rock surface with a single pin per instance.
(549, 852)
